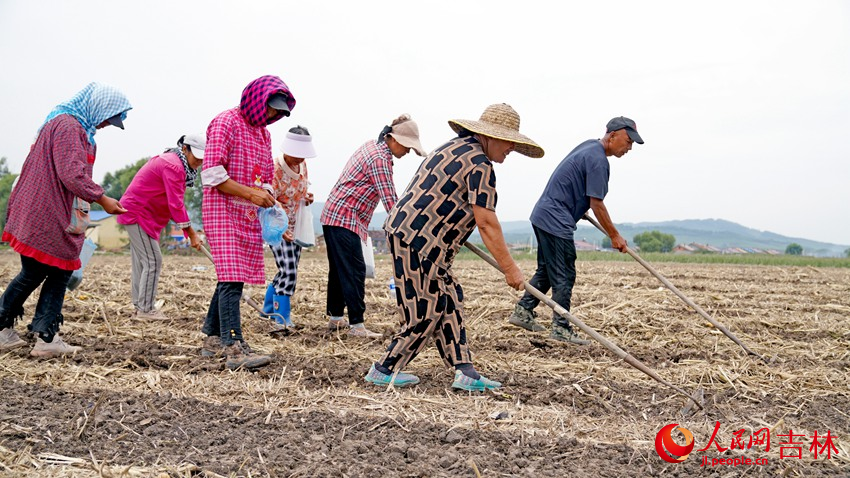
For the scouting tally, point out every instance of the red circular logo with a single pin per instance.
(663, 441)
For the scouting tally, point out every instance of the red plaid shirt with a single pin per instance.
(367, 176)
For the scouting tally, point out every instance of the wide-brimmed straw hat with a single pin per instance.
(500, 121)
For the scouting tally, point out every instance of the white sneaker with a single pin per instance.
(9, 340)
(155, 314)
(53, 349)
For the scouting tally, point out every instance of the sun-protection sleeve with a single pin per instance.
(214, 176)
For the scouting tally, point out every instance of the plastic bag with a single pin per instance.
(368, 257)
(85, 254)
(274, 222)
(303, 232)
(79, 217)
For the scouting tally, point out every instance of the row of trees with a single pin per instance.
(651, 241)
(6, 181)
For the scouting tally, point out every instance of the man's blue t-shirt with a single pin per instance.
(582, 175)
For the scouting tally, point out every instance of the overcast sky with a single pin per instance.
(744, 105)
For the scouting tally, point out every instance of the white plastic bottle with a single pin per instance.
(391, 283)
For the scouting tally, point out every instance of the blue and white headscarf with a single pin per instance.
(93, 105)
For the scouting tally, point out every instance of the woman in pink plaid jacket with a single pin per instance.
(237, 175)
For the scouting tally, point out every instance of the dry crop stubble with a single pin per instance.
(140, 400)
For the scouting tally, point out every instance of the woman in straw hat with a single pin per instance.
(453, 192)
(290, 188)
(366, 178)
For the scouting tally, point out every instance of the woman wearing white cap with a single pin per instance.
(366, 179)
(154, 197)
(290, 189)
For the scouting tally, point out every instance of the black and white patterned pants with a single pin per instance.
(286, 256)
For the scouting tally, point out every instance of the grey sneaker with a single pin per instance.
(564, 334)
(524, 318)
(56, 348)
(241, 357)
(152, 315)
(334, 325)
(9, 339)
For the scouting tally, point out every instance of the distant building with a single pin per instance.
(105, 232)
(683, 249)
(585, 246)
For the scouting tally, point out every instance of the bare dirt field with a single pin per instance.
(141, 401)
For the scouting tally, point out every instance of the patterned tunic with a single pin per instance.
(367, 176)
(238, 141)
(290, 187)
(434, 215)
(58, 167)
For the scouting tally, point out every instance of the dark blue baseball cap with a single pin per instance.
(621, 122)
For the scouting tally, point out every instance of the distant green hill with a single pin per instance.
(716, 232)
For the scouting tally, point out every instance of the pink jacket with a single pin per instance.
(156, 195)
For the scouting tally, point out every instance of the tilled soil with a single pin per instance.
(141, 401)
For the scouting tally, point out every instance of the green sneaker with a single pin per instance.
(382, 379)
(524, 318)
(564, 334)
(468, 383)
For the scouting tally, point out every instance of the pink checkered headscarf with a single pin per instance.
(255, 98)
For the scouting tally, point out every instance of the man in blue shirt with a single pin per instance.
(579, 183)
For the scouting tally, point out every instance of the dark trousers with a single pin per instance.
(48, 310)
(556, 269)
(223, 317)
(346, 274)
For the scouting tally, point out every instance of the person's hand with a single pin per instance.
(617, 242)
(514, 277)
(195, 241)
(288, 236)
(262, 198)
(112, 206)
(309, 199)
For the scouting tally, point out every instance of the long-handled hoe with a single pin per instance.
(682, 296)
(625, 356)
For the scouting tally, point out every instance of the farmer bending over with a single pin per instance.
(366, 178)
(155, 196)
(48, 213)
(290, 189)
(453, 191)
(579, 183)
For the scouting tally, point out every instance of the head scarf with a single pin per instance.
(191, 174)
(255, 99)
(93, 105)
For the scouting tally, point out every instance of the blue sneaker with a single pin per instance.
(401, 379)
(468, 383)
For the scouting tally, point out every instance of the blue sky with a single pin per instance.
(743, 105)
